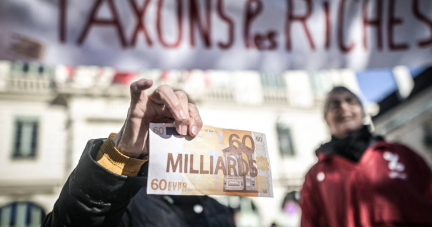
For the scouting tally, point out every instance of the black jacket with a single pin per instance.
(94, 196)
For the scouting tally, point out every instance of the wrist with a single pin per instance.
(121, 149)
(124, 148)
(129, 154)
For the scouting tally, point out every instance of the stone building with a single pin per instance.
(48, 114)
(408, 120)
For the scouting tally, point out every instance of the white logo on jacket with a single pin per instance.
(320, 176)
(396, 167)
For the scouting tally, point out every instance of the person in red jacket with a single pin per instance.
(362, 180)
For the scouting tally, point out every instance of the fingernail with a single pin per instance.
(182, 114)
(179, 129)
(194, 130)
(184, 129)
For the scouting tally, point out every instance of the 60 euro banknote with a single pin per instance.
(216, 162)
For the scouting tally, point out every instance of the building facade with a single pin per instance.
(408, 118)
(48, 115)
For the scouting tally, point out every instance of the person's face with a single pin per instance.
(344, 114)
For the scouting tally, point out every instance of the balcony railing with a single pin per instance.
(218, 94)
(275, 95)
(28, 84)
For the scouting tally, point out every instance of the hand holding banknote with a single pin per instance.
(162, 106)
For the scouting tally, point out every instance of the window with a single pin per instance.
(25, 214)
(25, 67)
(26, 135)
(286, 147)
(272, 80)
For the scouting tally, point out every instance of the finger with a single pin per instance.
(137, 88)
(166, 96)
(184, 103)
(195, 118)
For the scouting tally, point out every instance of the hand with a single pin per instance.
(163, 106)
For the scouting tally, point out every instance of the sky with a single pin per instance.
(376, 84)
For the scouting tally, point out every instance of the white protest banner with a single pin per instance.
(272, 35)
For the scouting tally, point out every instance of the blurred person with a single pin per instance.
(360, 179)
(108, 186)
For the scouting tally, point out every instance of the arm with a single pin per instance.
(101, 186)
(93, 195)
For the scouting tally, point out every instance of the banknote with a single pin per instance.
(216, 162)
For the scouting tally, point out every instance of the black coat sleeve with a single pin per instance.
(92, 195)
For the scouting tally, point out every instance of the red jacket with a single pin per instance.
(389, 186)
